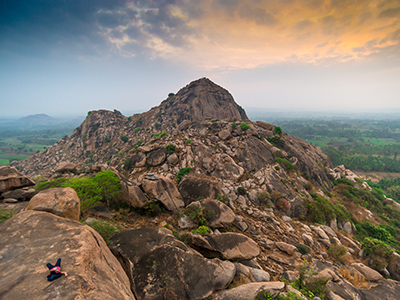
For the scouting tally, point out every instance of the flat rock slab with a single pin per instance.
(161, 267)
(31, 239)
(11, 179)
(234, 246)
(250, 291)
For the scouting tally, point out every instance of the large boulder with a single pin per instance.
(65, 167)
(217, 213)
(31, 239)
(63, 202)
(164, 190)
(131, 193)
(23, 194)
(250, 291)
(191, 188)
(394, 266)
(11, 179)
(369, 274)
(234, 246)
(161, 267)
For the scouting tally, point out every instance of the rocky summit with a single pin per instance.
(190, 200)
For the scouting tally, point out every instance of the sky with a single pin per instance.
(67, 57)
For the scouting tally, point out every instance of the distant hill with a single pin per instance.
(39, 121)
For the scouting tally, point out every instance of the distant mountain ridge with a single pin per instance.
(38, 119)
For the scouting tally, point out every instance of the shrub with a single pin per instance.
(124, 138)
(152, 209)
(164, 133)
(199, 215)
(202, 230)
(157, 125)
(188, 141)
(103, 187)
(105, 229)
(264, 197)
(276, 141)
(137, 129)
(244, 126)
(284, 162)
(171, 94)
(277, 168)
(181, 173)
(337, 252)
(223, 198)
(107, 140)
(241, 191)
(170, 149)
(277, 130)
(321, 210)
(308, 285)
(303, 249)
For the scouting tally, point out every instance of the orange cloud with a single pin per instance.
(246, 34)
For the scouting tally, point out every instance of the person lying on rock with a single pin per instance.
(55, 271)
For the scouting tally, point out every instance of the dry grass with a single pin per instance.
(356, 279)
(237, 281)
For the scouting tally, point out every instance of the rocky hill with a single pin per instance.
(262, 206)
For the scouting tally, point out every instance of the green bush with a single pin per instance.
(276, 141)
(337, 252)
(105, 228)
(182, 172)
(170, 149)
(321, 210)
(102, 187)
(188, 141)
(241, 191)
(223, 198)
(303, 249)
(277, 130)
(378, 252)
(244, 126)
(5, 215)
(284, 162)
(137, 129)
(309, 285)
(124, 138)
(199, 215)
(202, 230)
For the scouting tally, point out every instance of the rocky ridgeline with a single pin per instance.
(254, 242)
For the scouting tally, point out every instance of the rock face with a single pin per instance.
(233, 246)
(63, 202)
(165, 191)
(250, 291)
(11, 179)
(203, 99)
(191, 188)
(65, 167)
(31, 239)
(219, 215)
(161, 267)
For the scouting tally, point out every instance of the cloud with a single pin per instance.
(390, 13)
(206, 34)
